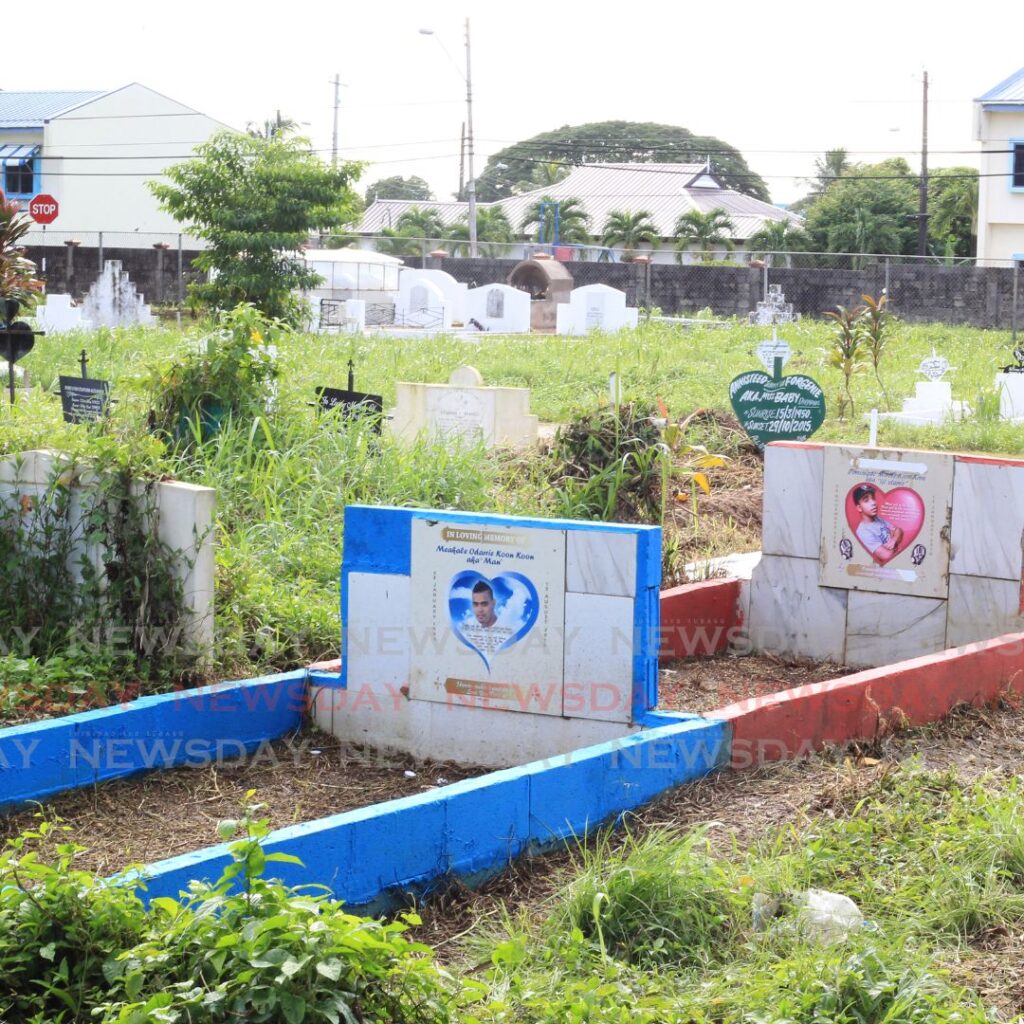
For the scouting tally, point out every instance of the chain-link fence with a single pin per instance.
(726, 284)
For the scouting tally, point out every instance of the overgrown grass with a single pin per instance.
(657, 929)
(283, 480)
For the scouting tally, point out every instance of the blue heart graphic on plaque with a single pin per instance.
(489, 615)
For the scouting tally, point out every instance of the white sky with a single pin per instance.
(781, 82)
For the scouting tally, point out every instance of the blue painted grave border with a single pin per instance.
(189, 727)
(473, 829)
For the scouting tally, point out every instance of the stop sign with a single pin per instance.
(43, 209)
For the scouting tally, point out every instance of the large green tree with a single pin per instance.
(827, 169)
(573, 221)
(613, 142)
(255, 201)
(397, 187)
(871, 208)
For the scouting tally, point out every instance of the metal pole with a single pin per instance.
(10, 362)
(337, 103)
(922, 212)
(1013, 311)
(471, 184)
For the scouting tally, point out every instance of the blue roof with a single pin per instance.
(1011, 90)
(34, 109)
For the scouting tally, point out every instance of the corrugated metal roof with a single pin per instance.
(1010, 90)
(663, 190)
(33, 109)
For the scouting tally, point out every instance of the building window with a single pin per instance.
(1017, 173)
(19, 179)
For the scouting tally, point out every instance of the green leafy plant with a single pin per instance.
(255, 201)
(247, 948)
(18, 278)
(847, 353)
(231, 376)
(875, 322)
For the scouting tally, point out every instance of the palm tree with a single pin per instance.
(629, 230)
(423, 219)
(573, 221)
(954, 208)
(777, 236)
(834, 164)
(492, 225)
(705, 230)
(275, 129)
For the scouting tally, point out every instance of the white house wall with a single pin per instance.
(87, 171)
(1000, 211)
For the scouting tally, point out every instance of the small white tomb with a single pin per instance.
(499, 307)
(59, 314)
(594, 307)
(463, 409)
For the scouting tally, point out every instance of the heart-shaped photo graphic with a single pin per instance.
(788, 409)
(885, 523)
(489, 615)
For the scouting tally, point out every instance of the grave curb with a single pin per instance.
(874, 702)
(369, 857)
(194, 727)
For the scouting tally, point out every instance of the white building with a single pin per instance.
(666, 191)
(999, 127)
(94, 153)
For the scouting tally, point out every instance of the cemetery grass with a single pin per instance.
(655, 922)
(284, 479)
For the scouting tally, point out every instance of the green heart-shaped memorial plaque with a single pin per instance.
(784, 409)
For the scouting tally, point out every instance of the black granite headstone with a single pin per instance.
(83, 399)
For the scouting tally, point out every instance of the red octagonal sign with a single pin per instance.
(43, 209)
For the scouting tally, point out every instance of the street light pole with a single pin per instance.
(337, 103)
(471, 184)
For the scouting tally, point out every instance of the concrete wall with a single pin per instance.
(976, 296)
(154, 273)
(185, 525)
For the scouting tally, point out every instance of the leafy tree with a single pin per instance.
(775, 237)
(614, 142)
(870, 209)
(255, 201)
(705, 230)
(629, 230)
(492, 225)
(17, 274)
(573, 221)
(397, 187)
(953, 205)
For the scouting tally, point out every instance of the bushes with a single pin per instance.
(73, 949)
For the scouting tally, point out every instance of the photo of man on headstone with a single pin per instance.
(881, 539)
(491, 614)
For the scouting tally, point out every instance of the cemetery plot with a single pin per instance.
(300, 778)
(702, 685)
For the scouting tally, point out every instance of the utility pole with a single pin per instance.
(462, 160)
(337, 103)
(471, 184)
(922, 209)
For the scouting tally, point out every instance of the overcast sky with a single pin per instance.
(782, 82)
